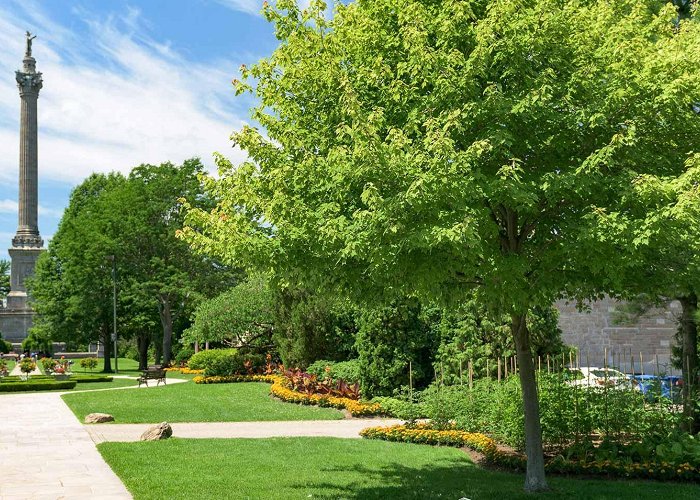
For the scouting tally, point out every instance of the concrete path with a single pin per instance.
(349, 428)
(45, 453)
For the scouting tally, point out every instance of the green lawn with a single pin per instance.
(189, 402)
(301, 468)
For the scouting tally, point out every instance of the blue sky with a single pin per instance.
(125, 82)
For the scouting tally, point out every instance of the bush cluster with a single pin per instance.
(336, 370)
(224, 362)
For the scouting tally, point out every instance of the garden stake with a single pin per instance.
(498, 360)
(539, 363)
(410, 381)
(488, 374)
(548, 370)
(471, 375)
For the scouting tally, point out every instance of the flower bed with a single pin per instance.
(425, 434)
(280, 391)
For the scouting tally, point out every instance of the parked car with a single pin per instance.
(591, 376)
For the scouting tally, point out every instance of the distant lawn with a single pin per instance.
(189, 402)
(329, 468)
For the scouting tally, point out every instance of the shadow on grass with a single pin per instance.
(455, 479)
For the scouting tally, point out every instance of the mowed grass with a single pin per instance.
(329, 468)
(190, 402)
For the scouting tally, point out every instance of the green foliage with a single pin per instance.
(38, 385)
(568, 414)
(88, 363)
(241, 316)
(349, 371)
(471, 332)
(48, 364)
(388, 339)
(27, 365)
(223, 362)
(37, 341)
(4, 278)
(5, 346)
(311, 326)
(184, 355)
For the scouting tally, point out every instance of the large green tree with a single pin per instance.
(437, 147)
(134, 220)
(71, 288)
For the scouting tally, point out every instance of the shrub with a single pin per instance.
(48, 364)
(224, 362)
(349, 371)
(5, 346)
(88, 363)
(184, 355)
(27, 365)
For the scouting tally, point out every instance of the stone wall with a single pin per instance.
(597, 333)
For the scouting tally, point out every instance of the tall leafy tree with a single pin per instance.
(435, 148)
(133, 220)
(72, 285)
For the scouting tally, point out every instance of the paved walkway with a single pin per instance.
(17, 371)
(45, 453)
(349, 428)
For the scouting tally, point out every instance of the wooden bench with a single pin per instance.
(152, 374)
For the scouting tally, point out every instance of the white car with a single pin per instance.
(592, 376)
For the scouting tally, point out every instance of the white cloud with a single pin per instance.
(113, 101)
(8, 207)
(248, 6)
(254, 7)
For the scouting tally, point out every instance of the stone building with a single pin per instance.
(603, 337)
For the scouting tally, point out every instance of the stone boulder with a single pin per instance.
(98, 418)
(158, 431)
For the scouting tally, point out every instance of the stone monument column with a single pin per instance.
(27, 245)
(29, 83)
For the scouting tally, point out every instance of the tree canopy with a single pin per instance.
(434, 148)
(134, 220)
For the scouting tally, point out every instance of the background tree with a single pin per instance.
(243, 316)
(71, 289)
(435, 148)
(133, 219)
(4, 278)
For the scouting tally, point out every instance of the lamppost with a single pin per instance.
(114, 310)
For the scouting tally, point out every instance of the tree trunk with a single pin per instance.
(534, 475)
(166, 319)
(142, 341)
(107, 344)
(689, 361)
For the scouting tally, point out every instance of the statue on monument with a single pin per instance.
(28, 53)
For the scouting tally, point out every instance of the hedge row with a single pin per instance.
(37, 386)
(50, 378)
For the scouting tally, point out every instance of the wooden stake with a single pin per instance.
(471, 375)
(410, 380)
